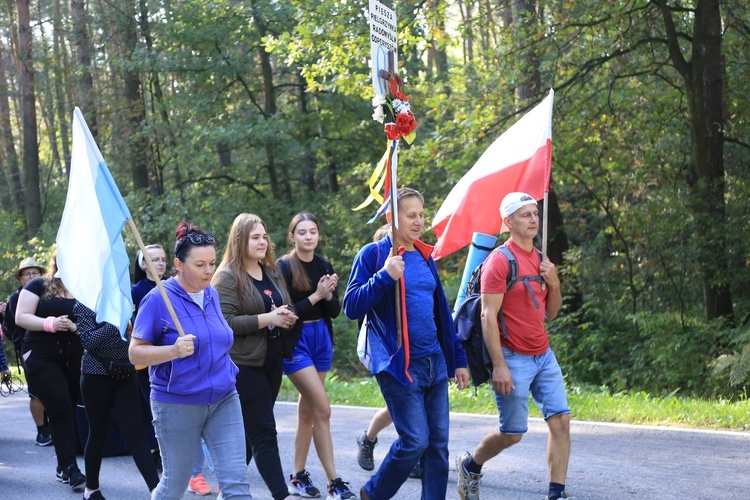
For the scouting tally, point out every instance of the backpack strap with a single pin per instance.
(513, 278)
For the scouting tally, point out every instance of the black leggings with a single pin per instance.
(53, 370)
(103, 397)
(258, 388)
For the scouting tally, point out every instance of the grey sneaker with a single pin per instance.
(366, 447)
(468, 482)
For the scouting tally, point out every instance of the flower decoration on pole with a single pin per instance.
(393, 110)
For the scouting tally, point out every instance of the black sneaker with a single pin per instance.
(62, 475)
(301, 485)
(97, 495)
(366, 447)
(43, 439)
(76, 479)
(339, 490)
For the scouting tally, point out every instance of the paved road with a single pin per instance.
(608, 460)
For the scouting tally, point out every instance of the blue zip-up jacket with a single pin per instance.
(371, 292)
(206, 376)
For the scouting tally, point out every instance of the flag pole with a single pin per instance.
(544, 231)
(155, 274)
(394, 249)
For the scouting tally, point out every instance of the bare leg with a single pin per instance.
(380, 421)
(558, 447)
(37, 411)
(310, 384)
(492, 444)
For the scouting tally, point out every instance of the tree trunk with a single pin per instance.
(58, 48)
(47, 105)
(134, 113)
(703, 77)
(28, 99)
(85, 84)
(11, 156)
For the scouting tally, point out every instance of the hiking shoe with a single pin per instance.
(76, 479)
(198, 485)
(468, 482)
(97, 495)
(415, 473)
(339, 490)
(43, 439)
(301, 485)
(364, 456)
(564, 495)
(62, 475)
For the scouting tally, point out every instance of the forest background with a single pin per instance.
(204, 110)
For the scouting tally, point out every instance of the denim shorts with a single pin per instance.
(313, 349)
(540, 375)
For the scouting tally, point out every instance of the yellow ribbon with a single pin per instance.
(375, 183)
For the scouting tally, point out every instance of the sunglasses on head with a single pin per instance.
(195, 239)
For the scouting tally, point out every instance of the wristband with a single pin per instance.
(49, 324)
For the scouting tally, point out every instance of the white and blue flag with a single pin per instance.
(91, 256)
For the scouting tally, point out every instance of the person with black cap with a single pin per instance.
(27, 271)
(518, 345)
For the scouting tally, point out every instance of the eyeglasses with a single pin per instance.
(30, 274)
(195, 239)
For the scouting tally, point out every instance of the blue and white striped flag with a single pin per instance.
(91, 256)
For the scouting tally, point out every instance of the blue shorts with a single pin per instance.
(541, 375)
(313, 349)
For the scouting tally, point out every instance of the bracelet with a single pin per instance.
(49, 324)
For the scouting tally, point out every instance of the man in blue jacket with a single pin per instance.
(413, 369)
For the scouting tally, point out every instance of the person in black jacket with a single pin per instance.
(27, 270)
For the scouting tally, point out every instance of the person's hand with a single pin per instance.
(3, 305)
(185, 345)
(283, 317)
(65, 324)
(462, 378)
(502, 382)
(333, 282)
(394, 266)
(548, 272)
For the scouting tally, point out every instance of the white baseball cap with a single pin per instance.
(514, 201)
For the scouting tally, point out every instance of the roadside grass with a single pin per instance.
(586, 403)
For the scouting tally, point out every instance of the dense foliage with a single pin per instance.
(207, 109)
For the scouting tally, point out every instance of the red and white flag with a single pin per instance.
(518, 160)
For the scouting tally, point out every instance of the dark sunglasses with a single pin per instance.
(195, 239)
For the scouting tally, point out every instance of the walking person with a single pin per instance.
(518, 345)
(193, 392)
(413, 373)
(312, 287)
(110, 389)
(257, 306)
(144, 283)
(27, 270)
(51, 353)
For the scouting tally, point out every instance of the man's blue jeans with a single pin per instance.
(420, 413)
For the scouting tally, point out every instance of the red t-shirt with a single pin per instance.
(524, 323)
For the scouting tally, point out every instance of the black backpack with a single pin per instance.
(468, 317)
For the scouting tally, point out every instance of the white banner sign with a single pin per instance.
(383, 45)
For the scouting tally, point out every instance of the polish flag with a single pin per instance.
(518, 160)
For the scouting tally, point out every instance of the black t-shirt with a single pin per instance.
(49, 306)
(271, 299)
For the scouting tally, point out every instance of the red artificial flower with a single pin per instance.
(392, 132)
(406, 123)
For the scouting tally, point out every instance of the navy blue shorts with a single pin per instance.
(313, 349)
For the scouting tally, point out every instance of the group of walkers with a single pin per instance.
(210, 361)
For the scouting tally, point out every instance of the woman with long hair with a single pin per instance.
(193, 392)
(110, 389)
(256, 304)
(312, 286)
(52, 353)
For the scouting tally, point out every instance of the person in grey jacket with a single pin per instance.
(257, 306)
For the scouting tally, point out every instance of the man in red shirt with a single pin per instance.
(518, 346)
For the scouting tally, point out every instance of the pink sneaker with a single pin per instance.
(199, 486)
